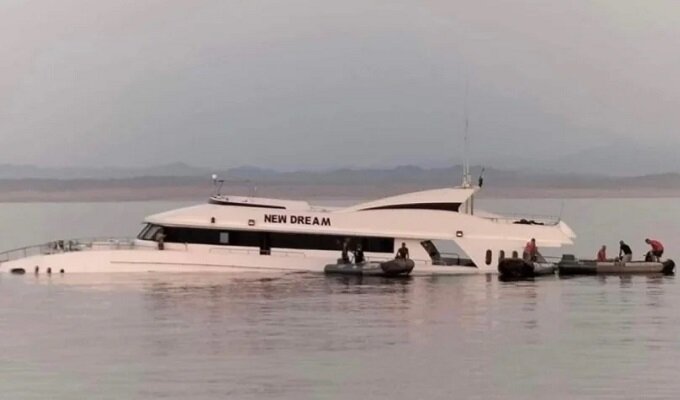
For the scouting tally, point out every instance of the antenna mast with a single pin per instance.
(467, 181)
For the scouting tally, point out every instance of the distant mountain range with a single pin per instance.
(625, 158)
(406, 173)
(179, 181)
(621, 159)
(179, 172)
(9, 171)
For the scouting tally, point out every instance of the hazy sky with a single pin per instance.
(324, 83)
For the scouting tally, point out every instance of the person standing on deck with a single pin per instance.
(602, 254)
(160, 239)
(625, 253)
(657, 248)
(530, 251)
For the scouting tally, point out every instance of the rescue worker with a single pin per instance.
(345, 251)
(359, 255)
(625, 253)
(657, 249)
(160, 239)
(530, 251)
(602, 254)
(402, 253)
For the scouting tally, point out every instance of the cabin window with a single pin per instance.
(489, 255)
(329, 242)
(378, 245)
(224, 237)
(246, 238)
(432, 251)
(189, 235)
(272, 239)
(455, 207)
(143, 232)
(265, 243)
(514, 254)
(501, 255)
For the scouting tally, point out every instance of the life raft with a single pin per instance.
(392, 268)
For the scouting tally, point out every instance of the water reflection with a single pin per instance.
(367, 284)
(306, 335)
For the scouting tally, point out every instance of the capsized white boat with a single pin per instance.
(236, 233)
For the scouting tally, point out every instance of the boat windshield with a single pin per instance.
(149, 232)
(450, 257)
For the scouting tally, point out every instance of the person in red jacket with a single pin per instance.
(530, 251)
(602, 254)
(657, 248)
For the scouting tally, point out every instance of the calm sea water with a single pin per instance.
(299, 336)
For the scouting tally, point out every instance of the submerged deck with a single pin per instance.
(67, 246)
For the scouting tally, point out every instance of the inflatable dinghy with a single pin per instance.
(396, 267)
(518, 268)
(570, 265)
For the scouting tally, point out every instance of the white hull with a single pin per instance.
(151, 260)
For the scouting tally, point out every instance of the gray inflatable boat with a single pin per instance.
(392, 268)
(518, 268)
(570, 265)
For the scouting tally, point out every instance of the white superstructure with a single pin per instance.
(233, 233)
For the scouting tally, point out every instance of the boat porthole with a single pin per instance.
(61, 271)
(37, 270)
(489, 255)
(49, 271)
(501, 255)
(515, 255)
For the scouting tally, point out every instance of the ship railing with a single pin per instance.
(224, 250)
(288, 253)
(67, 246)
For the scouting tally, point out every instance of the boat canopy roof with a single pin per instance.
(447, 199)
(222, 208)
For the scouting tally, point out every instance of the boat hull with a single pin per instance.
(179, 261)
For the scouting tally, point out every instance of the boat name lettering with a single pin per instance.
(296, 219)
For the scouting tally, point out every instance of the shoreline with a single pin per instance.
(311, 192)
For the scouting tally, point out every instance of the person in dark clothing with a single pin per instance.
(345, 252)
(402, 253)
(625, 253)
(359, 255)
(160, 239)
